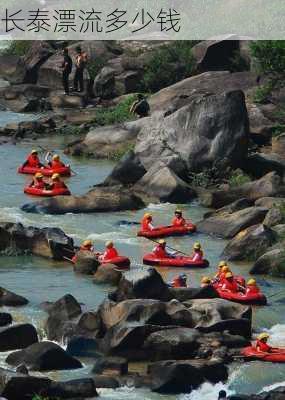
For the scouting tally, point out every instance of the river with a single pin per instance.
(43, 280)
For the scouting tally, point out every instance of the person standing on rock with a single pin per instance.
(80, 64)
(140, 107)
(66, 70)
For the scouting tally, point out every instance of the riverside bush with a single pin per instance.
(118, 114)
(17, 48)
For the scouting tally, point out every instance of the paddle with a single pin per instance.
(275, 294)
(51, 151)
(124, 222)
(171, 248)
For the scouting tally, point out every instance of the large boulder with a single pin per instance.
(183, 294)
(86, 263)
(269, 185)
(228, 225)
(171, 377)
(104, 83)
(181, 93)
(275, 216)
(271, 263)
(11, 299)
(12, 68)
(209, 128)
(59, 100)
(221, 316)
(215, 55)
(36, 56)
(16, 337)
(80, 346)
(43, 356)
(259, 164)
(162, 184)
(278, 145)
(250, 243)
(146, 285)
(24, 97)
(100, 199)
(61, 314)
(107, 273)
(5, 319)
(45, 242)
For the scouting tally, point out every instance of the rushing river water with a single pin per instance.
(42, 280)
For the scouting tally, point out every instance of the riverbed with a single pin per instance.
(43, 280)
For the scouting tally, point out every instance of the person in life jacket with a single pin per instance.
(87, 245)
(225, 269)
(38, 182)
(33, 160)
(140, 107)
(197, 252)
(57, 183)
(229, 284)
(178, 219)
(146, 223)
(160, 250)
(251, 287)
(109, 253)
(218, 275)
(261, 343)
(55, 162)
(179, 281)
(205, 281)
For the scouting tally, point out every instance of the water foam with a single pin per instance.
(207, 391)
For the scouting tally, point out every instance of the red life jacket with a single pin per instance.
(145, 225)
(261, 346)
(110, 253)
(39, 184)
(197, 255)
(231, 286)
(58, 185)
(252, 289)
(33, 161)
(56, 164)
(178, 283)
(178, 221)
(160, 252)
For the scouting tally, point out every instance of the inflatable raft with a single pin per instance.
(46, 193)
(46, 171)
(164, 231)
(256, 298)
(180, 262)
(121, 262)
(276, 356)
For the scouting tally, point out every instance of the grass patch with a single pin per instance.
(17, 48)
(238, 178)
(115, 115)
(118, 153)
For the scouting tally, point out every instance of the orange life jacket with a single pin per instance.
(33, 161)
(252, 289)
(160, 252)
(261, 346)
(145, 225)
(230, 285)
(178, 283)
(56, 164)
(110, 253)
(178, 221)
(39, 184)
(197, 255)
(58, 185)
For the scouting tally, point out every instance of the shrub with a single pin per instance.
(238, 63)
(17, 47)
(238, 178)
(262, 93)
(94, 66)
(278, 129)
(270, 56)
(167, 65)
(118, 114)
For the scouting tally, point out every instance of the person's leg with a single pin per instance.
(75, 82)
(81, 82)
(65, 82)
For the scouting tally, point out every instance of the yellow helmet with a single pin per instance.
(197, 246)
(162, 241)
(252, 282)
(206, 279)
(178, 211)
(263, 335)
(109, 243)
(229, 275)
(55, 176)
(147, 215)
(87, 243)
(222, 264)
(34, 151)
(55, 157)
(225, 268)
(39, 175)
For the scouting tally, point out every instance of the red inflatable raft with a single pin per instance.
(46, 171)
(180, 262)
(276, 356)
(46, 193)
(172, 230)
(121, 262)
(257, 298)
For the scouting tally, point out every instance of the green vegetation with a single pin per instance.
(278, 129)
(17, 47)
(281, 208)
(94, 66)
(238, 178)
(262, 93)
(168, 65)
(238, 63)
(118, 114)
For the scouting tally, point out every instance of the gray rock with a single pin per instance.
(115, 365)
(128, 170)
(274, 217)
(270, 202)
(107, 273)
(259, 164)
(17, 336)
(86, 263)
(228, 225)
(271, 263)
(5, 319)
(11, 299)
